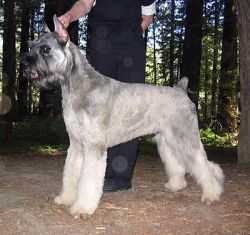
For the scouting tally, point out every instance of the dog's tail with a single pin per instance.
(183, 84)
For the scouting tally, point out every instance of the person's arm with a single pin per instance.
(148, 12)
(79, 9)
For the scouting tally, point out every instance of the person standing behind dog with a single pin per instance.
(115, 48)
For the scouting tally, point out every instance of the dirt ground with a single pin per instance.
(29, 182)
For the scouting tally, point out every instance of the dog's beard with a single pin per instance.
(43, 77)
(44, 70)
(49, 79)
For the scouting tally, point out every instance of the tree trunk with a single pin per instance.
(172, 44)
(9, 50)
(22, 81)
(155, 68)
(9, 59)
(244, 33)
(32, 36)
(206, 68)
(192, 46)
(180, 44)
(217, 9)
(227, 102)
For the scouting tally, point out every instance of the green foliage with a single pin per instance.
(150, 68)
(163, 34)
(49, 135)
(48, 149)
(45, 131)
(211, 138)
(37, 135)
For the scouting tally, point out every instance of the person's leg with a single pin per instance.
(122, 158)
(126, 64)
(107, 64)
(120, 166)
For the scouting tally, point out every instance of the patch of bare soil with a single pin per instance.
(29, 183)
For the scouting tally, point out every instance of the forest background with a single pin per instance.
(194, 38)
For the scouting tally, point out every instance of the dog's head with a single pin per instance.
(48, 59)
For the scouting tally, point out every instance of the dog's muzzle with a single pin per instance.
(28, 62)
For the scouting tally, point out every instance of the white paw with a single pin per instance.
(212, 191)
(78, 210)
(63, 200)
(209, 197)
(218, 173)
(176, 184)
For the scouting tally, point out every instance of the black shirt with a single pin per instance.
(115, 24)
(114, 11)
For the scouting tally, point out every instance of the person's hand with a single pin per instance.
(146, 21)
(65, 19)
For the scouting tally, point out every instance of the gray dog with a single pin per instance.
(100, 112)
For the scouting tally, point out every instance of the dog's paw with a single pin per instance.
(212, 191)
(208, 199)
(176, 183)
(79, 211)
(63, 200)
(210, 196)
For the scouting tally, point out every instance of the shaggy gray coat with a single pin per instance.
(100, 112)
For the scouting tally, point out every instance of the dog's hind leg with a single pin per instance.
(208, 174)
(174, 168)
(90, 186)
(71, 175)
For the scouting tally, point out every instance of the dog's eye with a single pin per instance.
(45, 50)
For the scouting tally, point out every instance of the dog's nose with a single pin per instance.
(27, 59)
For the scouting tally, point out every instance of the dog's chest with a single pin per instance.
(71, 119)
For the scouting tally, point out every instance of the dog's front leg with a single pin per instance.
(71, 174)
(90, 186)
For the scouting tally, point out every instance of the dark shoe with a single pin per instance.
(114, 185)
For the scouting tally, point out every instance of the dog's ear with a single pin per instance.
(61, 31)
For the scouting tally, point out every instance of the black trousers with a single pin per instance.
(118, 52)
